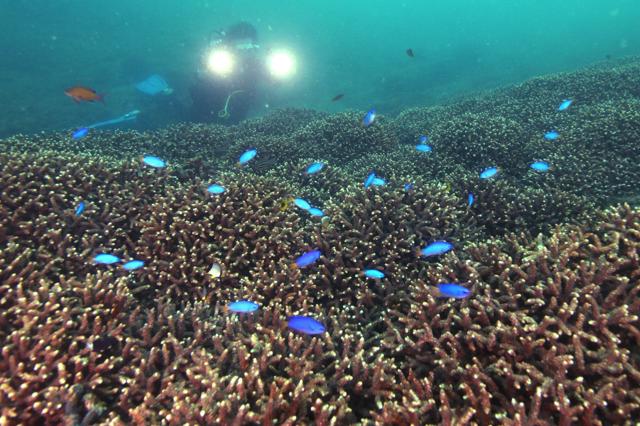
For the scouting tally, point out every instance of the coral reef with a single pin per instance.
(549, 335)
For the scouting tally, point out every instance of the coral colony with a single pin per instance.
(191, 291)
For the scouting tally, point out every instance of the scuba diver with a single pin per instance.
(234, 74)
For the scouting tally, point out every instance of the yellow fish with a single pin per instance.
(285, 204)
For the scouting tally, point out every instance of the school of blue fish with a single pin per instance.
(307, 324)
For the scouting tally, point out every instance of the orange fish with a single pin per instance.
(79, 93)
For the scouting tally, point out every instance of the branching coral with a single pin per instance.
(549, 335)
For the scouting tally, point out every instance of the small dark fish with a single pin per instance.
(103, 344)
(337, 97)
(410, 53)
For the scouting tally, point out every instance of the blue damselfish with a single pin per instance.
(242, 306)
(132, 265)
(106, 259)
(306, 259)
(453, 290)
(153, 161)
(436, 248)
(305, 324)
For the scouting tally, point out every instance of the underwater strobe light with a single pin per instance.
(281, 64)
(220, 62)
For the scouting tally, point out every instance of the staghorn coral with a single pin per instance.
(593, 158)
(549, 335)
(501, 207)
(393, 353)
(48, 372)
(243, 229)
(342, 138)
(482, 140)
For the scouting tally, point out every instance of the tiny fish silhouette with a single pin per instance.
(410, 53)
(337, 97)
(103, 344)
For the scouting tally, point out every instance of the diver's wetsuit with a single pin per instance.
(210, 94)
(209, 97)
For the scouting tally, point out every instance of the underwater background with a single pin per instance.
(356, 48)
(435, 220)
